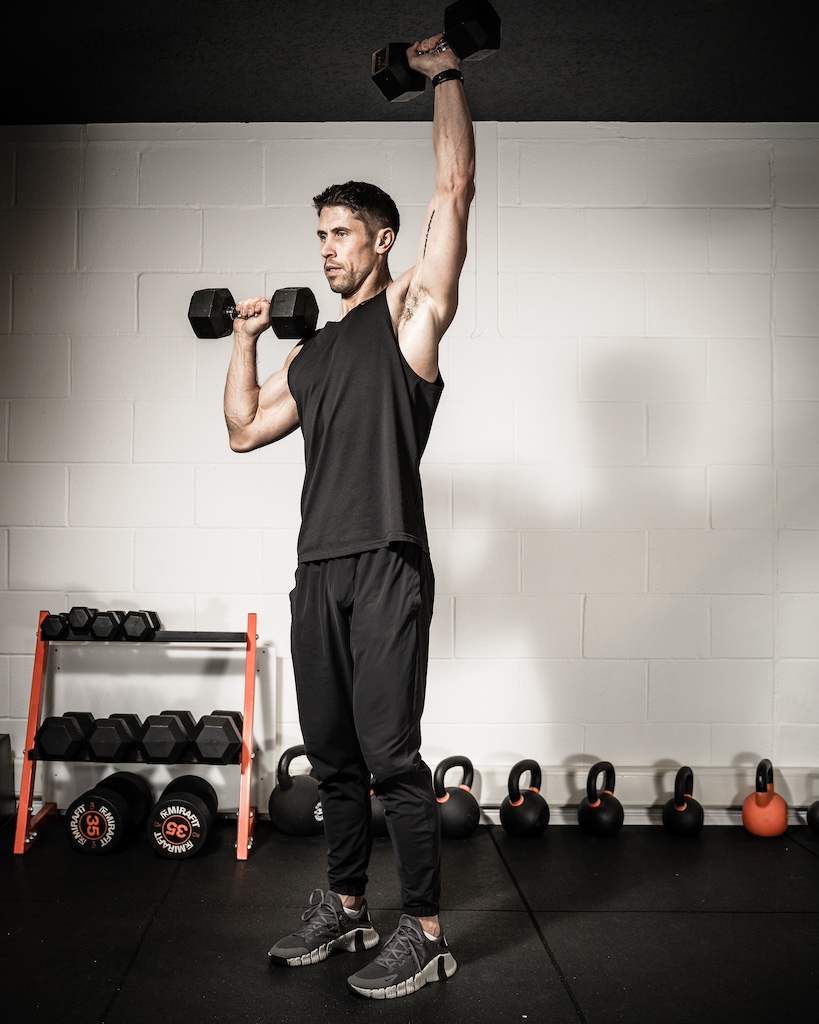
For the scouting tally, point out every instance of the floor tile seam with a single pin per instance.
(561, 975)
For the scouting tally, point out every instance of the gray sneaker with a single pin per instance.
(406, 963)
(326, 928)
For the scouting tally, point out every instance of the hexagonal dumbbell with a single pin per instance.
(64, 737)
(55, 626)
(293, 313)
(141, 625)
(166, 737)
(108, 625)
(114, 738)
(218, 737)
(80, 619)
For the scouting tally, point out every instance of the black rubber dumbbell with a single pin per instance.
(140, 625)
(108, 625)
(114, 738)
(55, 626)
(472, 29)
(218, 737)
(293, 313)
(183, 817)
(166, 737)
(64, 737)
(98, 820)
(80, 619)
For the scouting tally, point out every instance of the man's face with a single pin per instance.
(347, 249)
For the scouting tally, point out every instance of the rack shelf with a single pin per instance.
(30, 825)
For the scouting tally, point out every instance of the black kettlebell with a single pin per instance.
(527, 813)
(682, 815)
(295, 806)
(812, 817)
(600, 814)
(460, 813)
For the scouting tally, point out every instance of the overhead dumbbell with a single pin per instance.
(64, 737)
(166, 738)
(293, 313)
(107, 625)
(294, 805)
(115, 737)
(217, 738)
(600, 814)
(524, 813)
(140, 625)
(99, 819)
(183, 817)
(472, 29)
(460, 812)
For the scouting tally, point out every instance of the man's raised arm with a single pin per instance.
(431, 296)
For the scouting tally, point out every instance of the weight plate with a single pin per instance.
(97, 821)
(179, 826)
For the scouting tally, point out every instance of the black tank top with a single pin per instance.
(366, 417)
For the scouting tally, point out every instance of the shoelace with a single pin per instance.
(327, 918)
(397, 947)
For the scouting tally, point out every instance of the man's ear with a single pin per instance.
(384, 240)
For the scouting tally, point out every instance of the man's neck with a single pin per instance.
(368, 290)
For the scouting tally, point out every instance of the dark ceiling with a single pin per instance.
(300, 60)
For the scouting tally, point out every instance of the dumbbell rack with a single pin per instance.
(30, 825)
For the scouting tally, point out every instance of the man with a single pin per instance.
(364, 390)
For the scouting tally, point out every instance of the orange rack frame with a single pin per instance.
(29, 825)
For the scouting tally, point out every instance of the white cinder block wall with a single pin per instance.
(622, 479)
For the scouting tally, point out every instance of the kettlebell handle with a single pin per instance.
(535, 778)
(591, 782)
(455, 761)
(283, 770)
(764, 775)
(683, 787)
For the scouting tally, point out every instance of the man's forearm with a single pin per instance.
(453, 139)
(241, 389)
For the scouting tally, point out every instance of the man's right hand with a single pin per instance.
(253, 317)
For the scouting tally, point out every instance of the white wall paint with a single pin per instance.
(621, 483)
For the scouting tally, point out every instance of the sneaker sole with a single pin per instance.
(438, 969)
(351, 942)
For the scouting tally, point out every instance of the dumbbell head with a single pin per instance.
(393, 75)
(80, 619)
(113, 738)
(63, 737)
(182, 818)
(107, 625)
(140, 625)
(293, 313)
(135, 790)
(472, 28)
(218, 737)
(55, 626)
(97, 821)
(166, 737)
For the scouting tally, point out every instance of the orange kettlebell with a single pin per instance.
(764, 812)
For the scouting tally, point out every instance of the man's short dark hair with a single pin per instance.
(369, 204)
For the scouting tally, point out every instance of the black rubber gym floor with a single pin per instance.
(565, 928)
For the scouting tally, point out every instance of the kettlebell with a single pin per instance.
(682, 815)
(765, 813)
(295, 806)
(600, 814)
(812, 817)
(527, 813)
(379, 826)
(460, 812)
